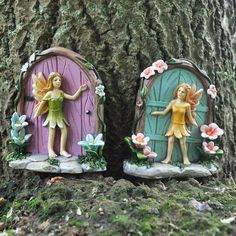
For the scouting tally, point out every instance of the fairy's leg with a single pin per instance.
(51, 138)
(63, 151)
(171, 140)
(183, 147)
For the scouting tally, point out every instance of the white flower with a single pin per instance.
(210, 147)
(211, 131)
(140, 140)
(100, 90)
(160, 66)
(212, 91)
(25, 67)
(32, 58)
(148, 72)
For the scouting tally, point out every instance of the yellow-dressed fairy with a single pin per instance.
(183, 107)
(50, 98)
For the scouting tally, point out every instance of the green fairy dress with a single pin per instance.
(55, 113)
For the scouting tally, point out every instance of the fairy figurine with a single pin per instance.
(183, 107)
(50, 98)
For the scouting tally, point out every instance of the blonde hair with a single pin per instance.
(49, 85)
(187, 88)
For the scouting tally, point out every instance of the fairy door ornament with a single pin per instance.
(59, 96)
(172, 106)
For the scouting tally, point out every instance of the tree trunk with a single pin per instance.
(121, 38)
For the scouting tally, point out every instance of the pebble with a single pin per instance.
(97, 225)
(200, 206)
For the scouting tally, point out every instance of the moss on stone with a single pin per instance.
(122, 208)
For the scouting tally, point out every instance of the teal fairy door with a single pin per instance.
(160, 91)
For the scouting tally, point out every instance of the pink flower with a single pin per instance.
(140, 140)
(212, 131)
(160, 66)
(210, 147)
(212, 91)
(148, 153)
(148, 72)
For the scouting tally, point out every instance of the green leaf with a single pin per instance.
(140, 156)
(89, 65)
(15, 156)
(173, 61)
(10, 156)
(9, 213)
(128, 140)
(54, 162)
(219, 152)
(144, 91)
(100, 151)
(101, 100)
(91, 154)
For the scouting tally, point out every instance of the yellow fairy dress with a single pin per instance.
(55, 114)
(178, 122)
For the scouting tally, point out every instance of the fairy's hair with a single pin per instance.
(192, 97)
(187, 88)
(49, 85)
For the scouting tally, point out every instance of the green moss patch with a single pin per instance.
(96, 206)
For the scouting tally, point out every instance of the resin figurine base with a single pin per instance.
(41, 163)
(159, 170)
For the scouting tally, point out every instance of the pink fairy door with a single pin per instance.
(81, 114)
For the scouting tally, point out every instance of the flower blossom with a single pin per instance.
(140, 140)
(100, 90)
(160, 66)
(210, 147)
(148, 153)
(148, 72)
(18, 122)
(92, 142)
(20, 137)
(212, 91)
(211, 131)
(25, 67)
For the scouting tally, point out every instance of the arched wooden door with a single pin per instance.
(160, 92)
(81, 114)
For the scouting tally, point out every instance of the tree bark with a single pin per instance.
(121, 38)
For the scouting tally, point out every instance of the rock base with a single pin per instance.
(40, 163)
(159, 170)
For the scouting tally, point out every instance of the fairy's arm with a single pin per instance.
(77, 94)
(190, 117)
(168, 108)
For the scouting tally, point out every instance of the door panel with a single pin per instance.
(74, 111)
(160, 94)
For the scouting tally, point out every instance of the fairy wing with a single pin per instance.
(194, 95)
(39, 85)
(194, 98)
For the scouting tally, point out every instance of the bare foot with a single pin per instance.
(51, 154)
(65, 153)
(187, 162)
(166, 161)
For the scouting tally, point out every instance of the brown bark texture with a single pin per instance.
(121, 38)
